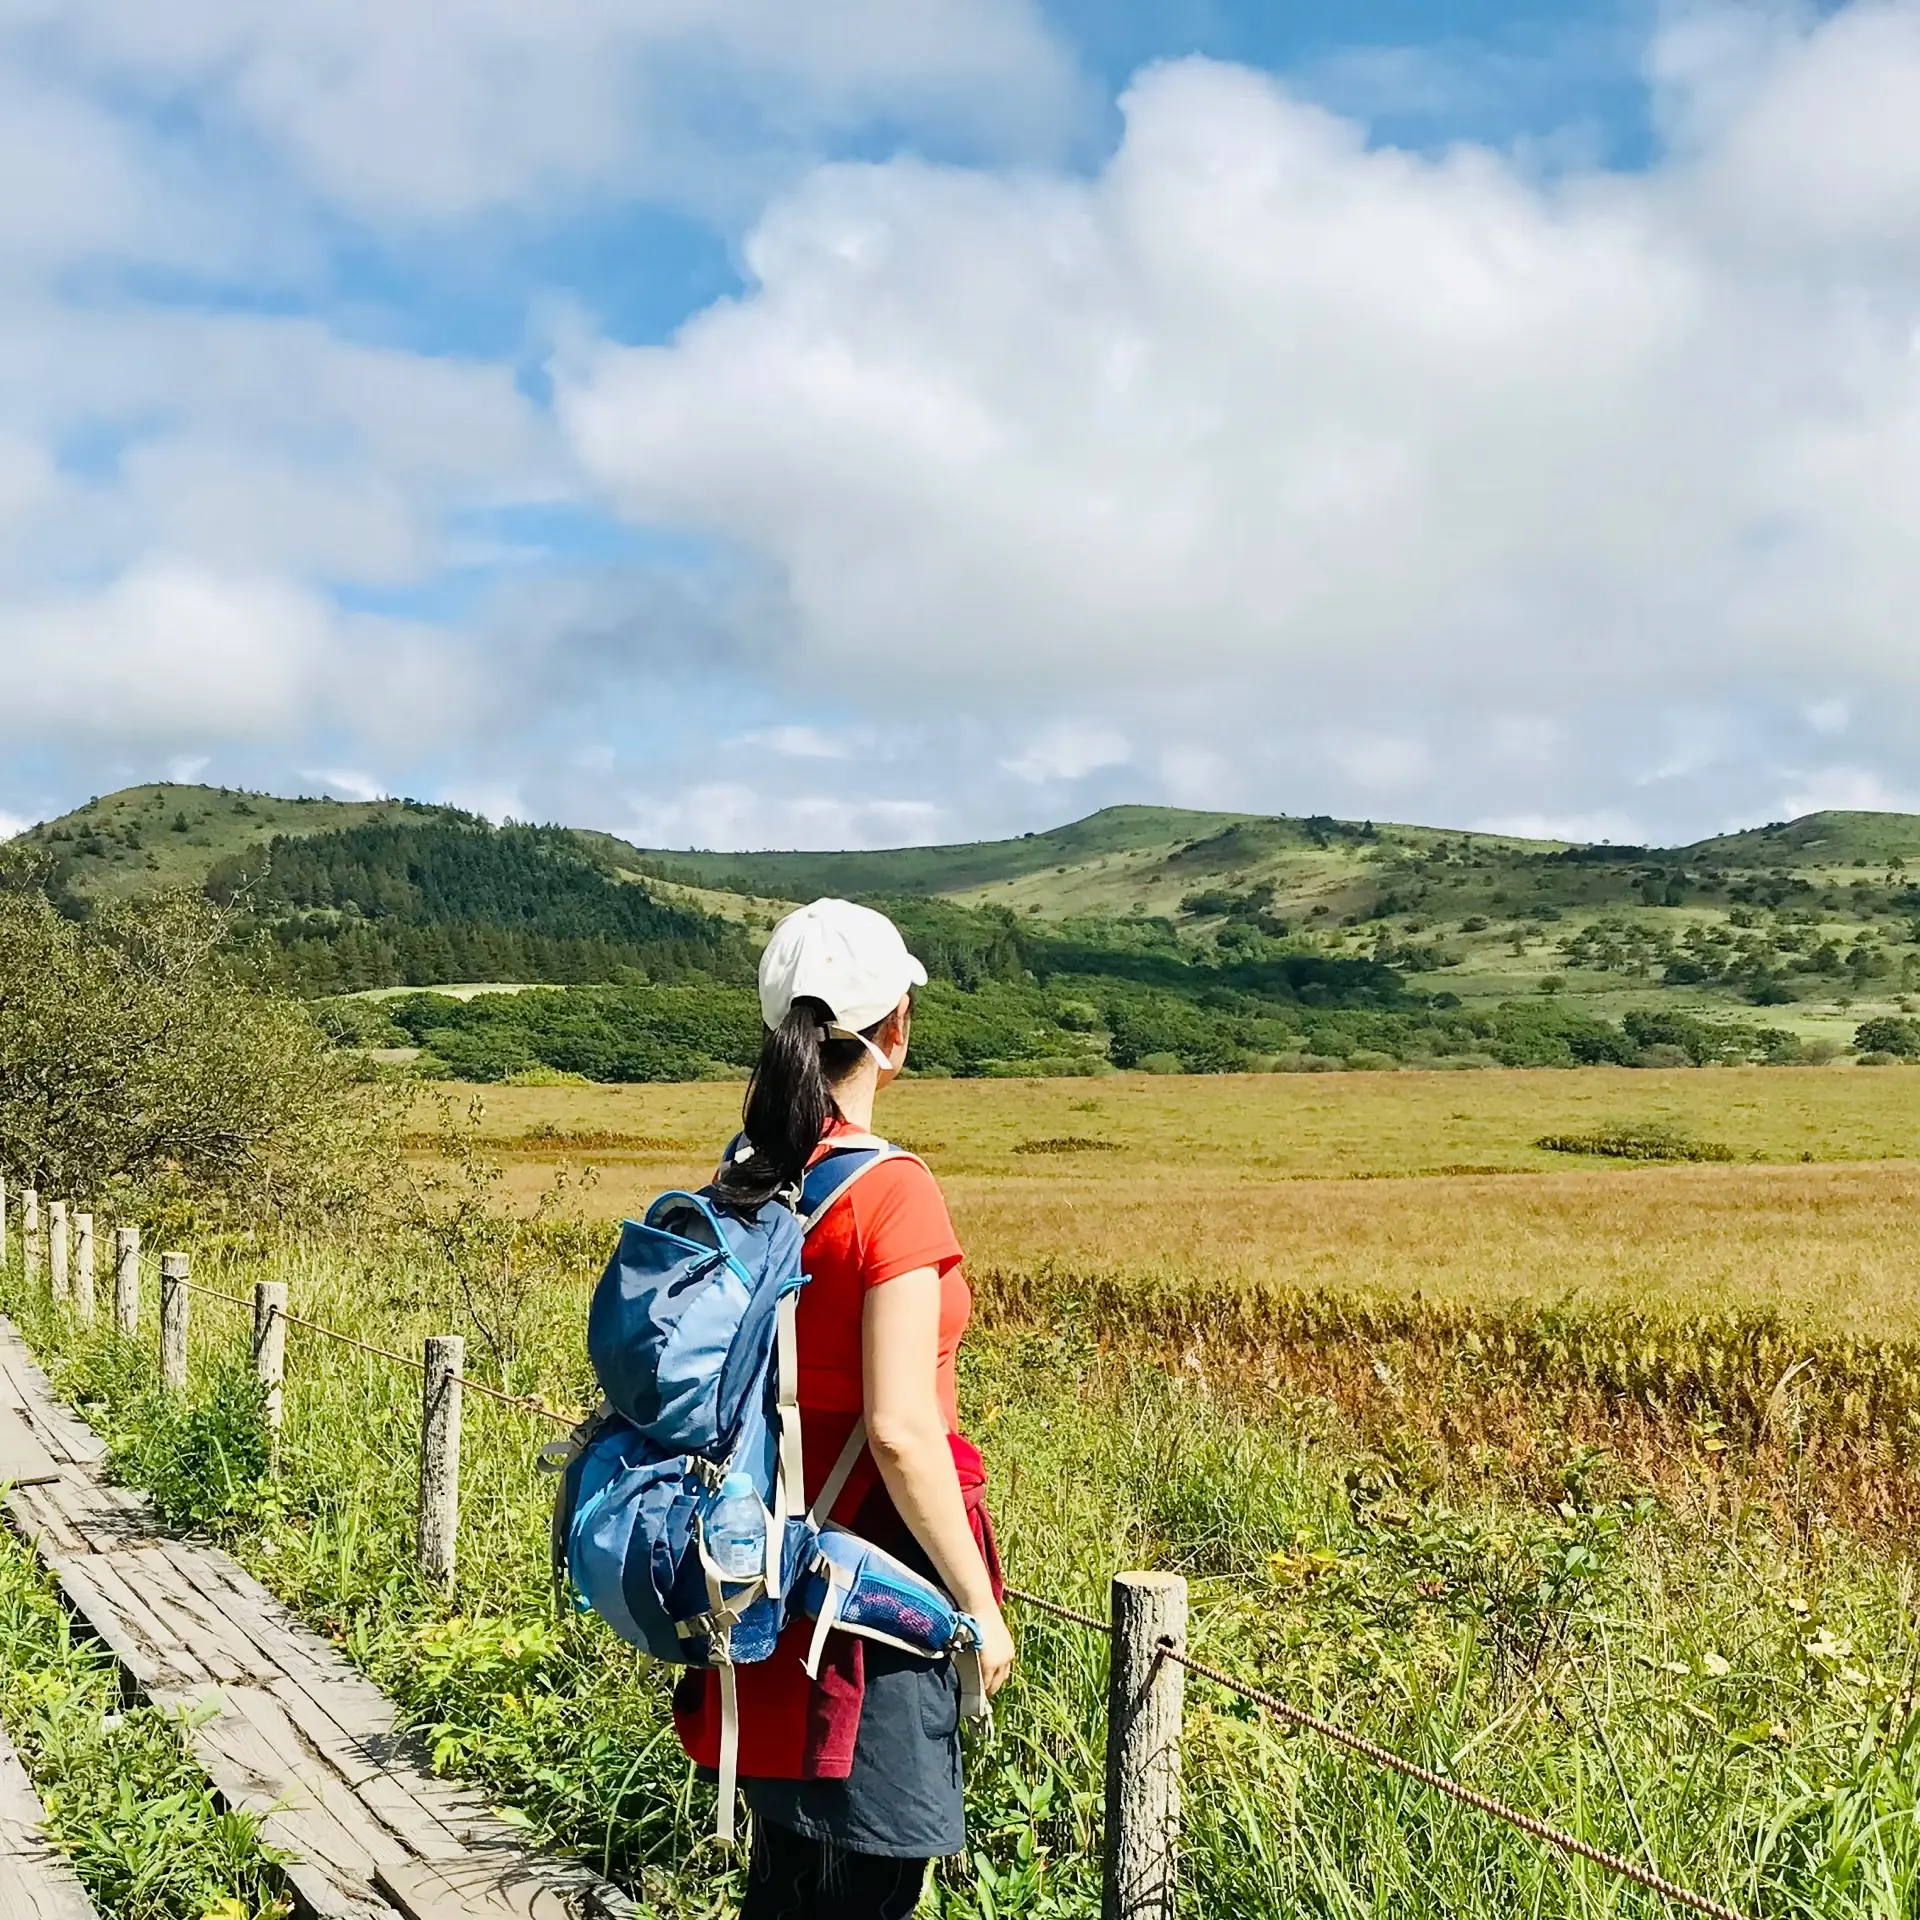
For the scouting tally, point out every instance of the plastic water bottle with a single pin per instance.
(736, 1530)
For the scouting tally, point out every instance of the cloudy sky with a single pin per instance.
(740, 423)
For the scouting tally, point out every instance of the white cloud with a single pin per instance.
(800, 742)
(1379, 763)
(1608, 825)
(1526, 738)
(171, 653)
(347, 782)
(1069, 750)
(12, 824)
(1260, 426)
(1263, 465)
(730, 815)
(1847, 790)
(438, 109)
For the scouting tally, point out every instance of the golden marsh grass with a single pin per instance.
(1379, 1182)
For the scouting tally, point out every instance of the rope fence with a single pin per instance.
(525, 1402)
(1340, 1736)
(1147, 1630)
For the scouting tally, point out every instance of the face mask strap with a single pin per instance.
(847, 1033)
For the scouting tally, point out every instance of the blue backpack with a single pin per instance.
(691, 1335)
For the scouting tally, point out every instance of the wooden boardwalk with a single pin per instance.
(292, 1732)
(35, 1881)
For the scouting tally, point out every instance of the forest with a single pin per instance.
(385, 906)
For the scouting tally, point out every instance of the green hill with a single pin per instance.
(1137, 831)
(1137, 934)
(146, 839)
(1819, 840)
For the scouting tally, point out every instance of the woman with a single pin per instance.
(854, 1779)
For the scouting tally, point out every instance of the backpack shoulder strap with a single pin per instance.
(833, 1174)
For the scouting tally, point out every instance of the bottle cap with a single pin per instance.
(736, 1483)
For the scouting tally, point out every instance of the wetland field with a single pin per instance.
(1589, 1473)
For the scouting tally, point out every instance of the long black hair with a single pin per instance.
(789, 1104)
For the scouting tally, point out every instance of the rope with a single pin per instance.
(527, 1403)
(347, 1340)
(226, 1299)
(1384, 1757)
(1058, 1611)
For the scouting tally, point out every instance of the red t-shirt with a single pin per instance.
(892, 1220)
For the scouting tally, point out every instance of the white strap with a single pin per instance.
(789, 1473)
(822, 1508)
(829, 1616)
(720, 1652)
(973, 1686)
(729, 1754)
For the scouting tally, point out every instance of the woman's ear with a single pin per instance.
(899, 1026)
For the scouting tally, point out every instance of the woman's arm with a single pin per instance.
(900, 1356)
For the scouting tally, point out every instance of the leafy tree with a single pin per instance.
(138, 1058)
(1889, 1034)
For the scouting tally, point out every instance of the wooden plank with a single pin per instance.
(105, 1516)
(69, 1436)
(484, 1888)
(296, 1735)
(23, 1460)
(224, 1652)
(36, 1882)
(244, 1749)
(381, 1790)
(106, 1622)
(36, 1515)
(317, 1897)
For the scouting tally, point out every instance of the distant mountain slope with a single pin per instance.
(1234, 917)
(144, 839)
(1820, 840)
(949, 869)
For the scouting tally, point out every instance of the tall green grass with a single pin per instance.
(1732, 1700)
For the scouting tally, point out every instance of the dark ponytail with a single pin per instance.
(788, 1107)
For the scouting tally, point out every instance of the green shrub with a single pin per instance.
(1649, 1140)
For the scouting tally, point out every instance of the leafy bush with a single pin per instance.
(1649, 1140)
(137, 1054)
(1889, 1034)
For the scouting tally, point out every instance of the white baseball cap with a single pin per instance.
(850, 957)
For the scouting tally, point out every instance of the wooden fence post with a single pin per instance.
(30, 1243)
(126, 1280)
(1145, 1692)
(173, 1321)
(59, 1249)
(270, 1346)
(83, 1294)
(440, 1458)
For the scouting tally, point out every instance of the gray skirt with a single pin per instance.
(903, 1797)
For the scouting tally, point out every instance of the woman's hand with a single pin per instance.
(996, 1652)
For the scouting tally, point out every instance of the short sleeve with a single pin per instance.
(901, 1223)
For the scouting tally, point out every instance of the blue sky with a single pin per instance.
(905, 419)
